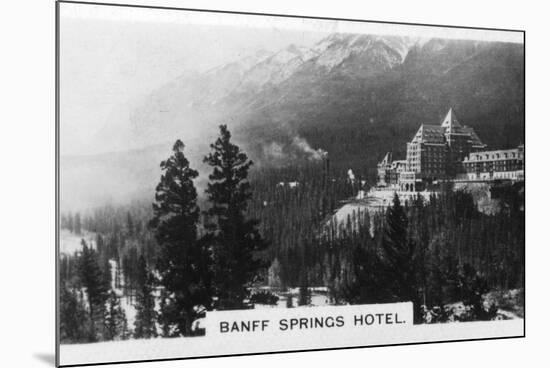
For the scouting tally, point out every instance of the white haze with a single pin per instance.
(107, 67)
(112, 58)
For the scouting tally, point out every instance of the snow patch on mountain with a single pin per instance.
(278, 67)
(336, 48)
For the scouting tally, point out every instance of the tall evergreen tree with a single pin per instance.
(400, 258)
(130, 224)
(144, 325)
(115, 318)
(470, 286)
(164, 316)
(73, 318)
(183, 261)
(368, 284)
(77, 224)
(304, 297)
(289, 303)
(118, 275)
(100, 244)
(105, 265)
(93, 280)
(235, 238)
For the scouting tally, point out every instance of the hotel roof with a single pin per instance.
(439, 134)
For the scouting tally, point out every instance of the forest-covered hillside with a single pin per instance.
(255, 236)
(235, 215)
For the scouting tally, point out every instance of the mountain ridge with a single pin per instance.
(353, 96)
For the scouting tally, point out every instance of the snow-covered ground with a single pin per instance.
(125, 303)
(166, 348)
(71, 242)
(385, 196)
(373, 201)
(319, 297)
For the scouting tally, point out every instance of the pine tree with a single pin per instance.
(115, 318)
(118, 275)
(164, 316)
(77, 224)
(304, 297)
(235, 239)
(471, 287)
(73, 318)
(93, 280)
(183, 261)
(100, 244)
(105, 265)
(125, 333)
(144, 325)
(289, 303)
(130, 224)
(367, 284)
(400, 259)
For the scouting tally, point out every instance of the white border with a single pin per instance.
(27, 161)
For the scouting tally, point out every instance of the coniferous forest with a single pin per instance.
(254, 233)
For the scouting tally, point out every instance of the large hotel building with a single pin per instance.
(450, 151)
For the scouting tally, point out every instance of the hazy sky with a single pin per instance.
(110, 57)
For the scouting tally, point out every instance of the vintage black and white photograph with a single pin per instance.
(235, 183)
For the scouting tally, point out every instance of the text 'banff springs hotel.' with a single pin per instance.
(450, 151)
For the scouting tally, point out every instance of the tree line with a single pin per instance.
(431, 252)
(203, 261)
(180, 257)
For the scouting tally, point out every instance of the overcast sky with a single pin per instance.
(110, 57)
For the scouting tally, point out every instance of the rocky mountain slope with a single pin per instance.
(353, 96)
(365, 89)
